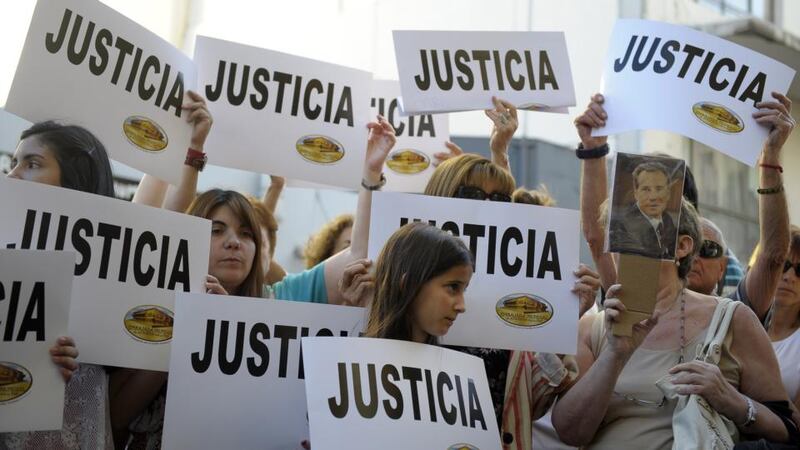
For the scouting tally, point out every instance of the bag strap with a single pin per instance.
(717, 330)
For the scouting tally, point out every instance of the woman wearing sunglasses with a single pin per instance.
(616, 398)
(523, 384)
(784, 320)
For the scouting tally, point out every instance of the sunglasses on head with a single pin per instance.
(711, 250)
(788, 265)
(476, 193)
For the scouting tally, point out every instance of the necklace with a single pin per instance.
(683, 325)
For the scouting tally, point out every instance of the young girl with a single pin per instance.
(71, 157)
(420, 278)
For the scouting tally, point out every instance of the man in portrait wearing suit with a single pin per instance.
(645, 228)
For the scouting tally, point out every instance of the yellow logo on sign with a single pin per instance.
(145, 134)
(718, 117)
(408, 161)
(319, 149)
(15, 381)
(149, 323)
(524, 310)
(462, 447)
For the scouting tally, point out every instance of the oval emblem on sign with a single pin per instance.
(524, 310)
(149, 323)
(145, 134)
(319, 149)
(462, 447)
(718, 117)
(15, 381)
(408, 161)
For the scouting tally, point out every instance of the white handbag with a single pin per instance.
(695, 424)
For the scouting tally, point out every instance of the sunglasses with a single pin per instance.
(475, 193)
(711, 250)
(788, 265)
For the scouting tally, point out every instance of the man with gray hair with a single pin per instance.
(645, 228)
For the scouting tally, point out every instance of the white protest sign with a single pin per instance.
(237, 361)
(85, 64)
(674, 78)
(410, 164)
(519, 297)
(35, 291)
(368, 393)
(131, 260)
(448, 71)
(282, 114)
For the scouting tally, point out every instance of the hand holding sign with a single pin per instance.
(778, 116)
(504, 116)
(63, 354)
(199, 117)
(357, 284)
(380, 142)
(620, 345)
(593, 117)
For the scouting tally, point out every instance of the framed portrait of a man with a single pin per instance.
(645, 205)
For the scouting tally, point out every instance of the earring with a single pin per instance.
(677, 262)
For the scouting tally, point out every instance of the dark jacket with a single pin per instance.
(631, 232)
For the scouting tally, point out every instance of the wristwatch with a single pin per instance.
(196, 159)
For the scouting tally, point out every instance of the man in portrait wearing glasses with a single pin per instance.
(645, 227)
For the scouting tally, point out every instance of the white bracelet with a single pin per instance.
(751, 413)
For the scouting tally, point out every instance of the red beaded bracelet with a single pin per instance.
(772, 166)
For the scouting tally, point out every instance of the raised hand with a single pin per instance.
(778, 116)
(379, 143)
(593, 117)
(197, 114)
(453, 151)
(504, 117)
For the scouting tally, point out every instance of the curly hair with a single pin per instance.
(320, 245)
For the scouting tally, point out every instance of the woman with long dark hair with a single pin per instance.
(72, 157)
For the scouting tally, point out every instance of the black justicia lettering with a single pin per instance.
(719, 73)
(80, 234)
(361, 384)
(33, 316)
(144, 75)
(239, 83)
(547, 263)
(518, 71)
(231, 345)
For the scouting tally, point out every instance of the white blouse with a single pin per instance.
(788, 353)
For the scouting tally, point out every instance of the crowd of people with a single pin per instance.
(606, 396)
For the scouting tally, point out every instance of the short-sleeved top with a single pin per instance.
(306, 286)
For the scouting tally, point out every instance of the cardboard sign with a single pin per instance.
(282, 114)
(85, 64)
(713, 86)
(519, 297)
(639, 275)
(645, 205)
(131, 260)
(35, 291)
(367, 393)
(410, 164)
(448, 71)
(237, 361)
